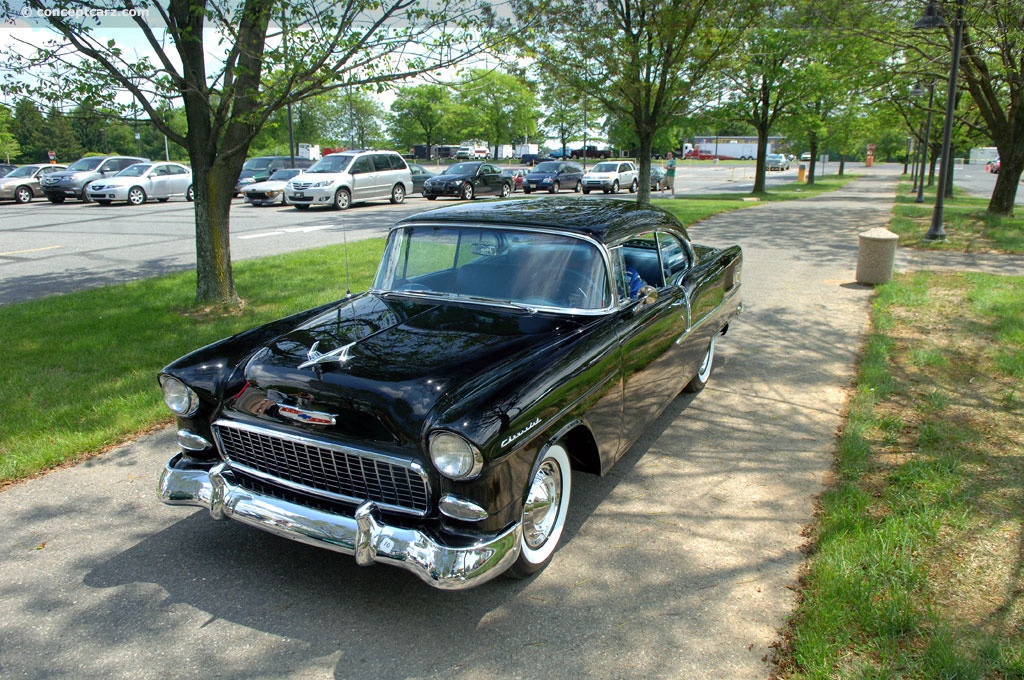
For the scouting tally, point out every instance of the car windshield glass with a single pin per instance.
(257, 163)
(606, 167)
(137, 170)
(515, 266)
(547, 166)
(331, 163)
(24, 171)
(462, 169)
(86, 164)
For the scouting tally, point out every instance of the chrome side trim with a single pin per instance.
(365, 536)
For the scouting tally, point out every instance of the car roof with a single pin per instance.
(605, 220)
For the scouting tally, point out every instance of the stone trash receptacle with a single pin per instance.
(876, 257)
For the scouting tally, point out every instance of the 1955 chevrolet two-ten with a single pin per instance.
(434, 422)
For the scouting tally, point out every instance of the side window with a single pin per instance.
(641, 255)
(361, 166)
(675, 256)
(397, 162)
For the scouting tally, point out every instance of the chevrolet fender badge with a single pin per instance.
(305, 416)
(511, 438)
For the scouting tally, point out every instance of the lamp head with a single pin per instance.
(931, 18)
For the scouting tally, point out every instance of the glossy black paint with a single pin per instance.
(510, 381)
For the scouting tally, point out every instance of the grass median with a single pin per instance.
(969, 228)
(79, 370)
(917, 565)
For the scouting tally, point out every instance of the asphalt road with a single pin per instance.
(58, 248)
(681, 563)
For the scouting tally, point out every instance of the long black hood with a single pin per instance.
(375, 368)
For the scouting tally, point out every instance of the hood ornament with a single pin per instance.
(315, 358)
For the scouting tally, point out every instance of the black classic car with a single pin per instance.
(435, 421)
(467, 181)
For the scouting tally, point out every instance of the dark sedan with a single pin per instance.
(419, 175)
(434, 422)
(553, 176)
(467, 181)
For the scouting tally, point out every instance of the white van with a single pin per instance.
(340, 179)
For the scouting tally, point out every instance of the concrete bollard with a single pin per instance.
(876, 257)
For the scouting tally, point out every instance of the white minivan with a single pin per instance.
(340, 179)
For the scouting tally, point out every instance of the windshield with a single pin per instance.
(86, 164)
(137, 170)
(286, 174)
(462, 169)
(332, 163)
(257, 163)
(23, 171)
(494, 264)
(606, 167)
(547, 166)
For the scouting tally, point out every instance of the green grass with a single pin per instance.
(916, 569)
(969, 228)
(79, 370)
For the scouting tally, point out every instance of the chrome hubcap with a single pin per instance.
(542, 504)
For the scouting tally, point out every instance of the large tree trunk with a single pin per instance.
(643, 191)
(1004, 195)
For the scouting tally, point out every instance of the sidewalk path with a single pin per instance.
(679, 564)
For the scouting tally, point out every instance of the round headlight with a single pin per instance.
(454, 457)
(178, 396)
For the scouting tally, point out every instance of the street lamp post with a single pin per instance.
(932, 19)
(917, 92)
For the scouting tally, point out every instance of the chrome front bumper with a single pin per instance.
(441, 566)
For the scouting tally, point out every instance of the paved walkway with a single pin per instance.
(680, 564)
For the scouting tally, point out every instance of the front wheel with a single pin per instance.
(22, 195)
(467, 192)
(342, 199)
(431, 198)
(704, 372)
(555, 188)
(615, 187)
(578, 187)
(136, 196)
(103, 202)
(398, 194)
(506, 190)
(544, 512)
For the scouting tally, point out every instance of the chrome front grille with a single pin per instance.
(324, 469)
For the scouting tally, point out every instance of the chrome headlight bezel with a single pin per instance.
(179, 397)
(454, 456)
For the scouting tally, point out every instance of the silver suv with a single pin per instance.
(610, 176)
(340, 179)
(74, 182)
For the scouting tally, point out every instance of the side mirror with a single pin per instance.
(648, 295)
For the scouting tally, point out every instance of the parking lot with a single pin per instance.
(50, 248)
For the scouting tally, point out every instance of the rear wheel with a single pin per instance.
(190, 195)
(578, 187)
(136, 196)
(633, 187)
(398, 194)
(704, 372)
(544, 511)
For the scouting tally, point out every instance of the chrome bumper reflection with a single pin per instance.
(441, 566)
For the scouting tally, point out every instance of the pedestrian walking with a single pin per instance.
(670, 175)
